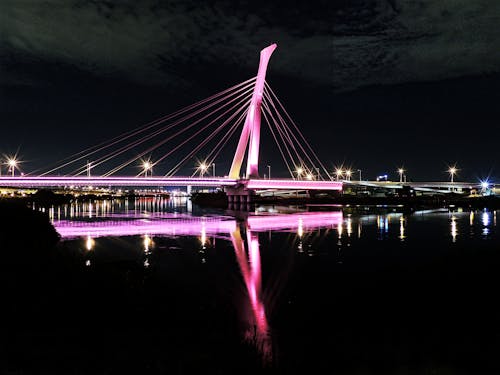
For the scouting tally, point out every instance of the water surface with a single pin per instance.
(180, 289)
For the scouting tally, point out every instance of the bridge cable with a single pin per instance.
(133, 132)
(299, 143)
(277, 143)
(206, 140)
(150, 149)
(168, 127)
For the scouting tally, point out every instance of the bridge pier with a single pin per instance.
(240, 194)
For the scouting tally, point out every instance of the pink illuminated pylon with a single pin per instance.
(251, 129)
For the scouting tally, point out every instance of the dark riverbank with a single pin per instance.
(219, 200)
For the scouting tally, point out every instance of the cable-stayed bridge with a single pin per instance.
(199, 133)
(204, 128)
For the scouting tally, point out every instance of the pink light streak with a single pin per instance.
(294, 184)
(26, 182)
(194, 226)
(252, 277)
(114, 181)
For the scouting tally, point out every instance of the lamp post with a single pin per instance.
(317, 173)
(359, 170)
(339, 173)
(213, 169)
(147, 166)
(452, 171)
(203, 168)
(348, 174)
(12, 165)
(401, 171)
(269, 171)
(299, 172)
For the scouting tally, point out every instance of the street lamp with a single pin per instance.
(452, 171)
(348, 174)
(12, 163)
(309, 176)
(269, 171)
(359, 170)
(299, 172)
(317, 173)
(213, 169)
(339, 173)
(147, 166)
(203, 168)
(89, 165)
(401, 171)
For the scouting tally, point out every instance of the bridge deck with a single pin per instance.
(284, 184)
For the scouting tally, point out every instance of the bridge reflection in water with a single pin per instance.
(247, 254)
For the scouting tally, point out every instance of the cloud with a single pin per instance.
(342, 44)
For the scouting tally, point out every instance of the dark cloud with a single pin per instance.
(344, 44)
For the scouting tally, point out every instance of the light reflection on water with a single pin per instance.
(155, 218)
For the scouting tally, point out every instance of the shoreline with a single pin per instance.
(219, 200)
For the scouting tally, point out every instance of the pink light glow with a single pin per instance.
(253, 153)
(25, 182)
(168, 227)
(115, 181)
(251, 128)
(195, 226)
(294, 184)
(251, 272)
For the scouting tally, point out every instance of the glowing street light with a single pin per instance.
(299, 172)
(401, 171)
(485, 185)
(348, 174)
(147, 166)
(309, 176)
(202, 168)
(452, 171)
(12, 163)
(339, 173)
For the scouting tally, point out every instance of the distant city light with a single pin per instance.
(452, 171)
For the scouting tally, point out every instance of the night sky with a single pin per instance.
(373, 84)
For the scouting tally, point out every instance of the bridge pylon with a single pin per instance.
(251, 129)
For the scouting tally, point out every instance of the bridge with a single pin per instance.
(245, 103)
(193, 129)
(444, 187)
